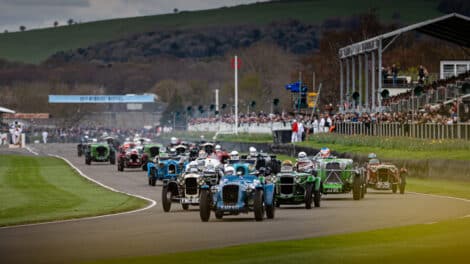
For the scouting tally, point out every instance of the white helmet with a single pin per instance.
(302, 155)
(229, 170)
(217, 147)
(173, 140)
(234, 155)
(202, 154)
(252, 151)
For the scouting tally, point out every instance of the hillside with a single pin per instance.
(35, 46)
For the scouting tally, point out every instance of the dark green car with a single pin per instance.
(100, 152)
(341, 176)
(294, 187)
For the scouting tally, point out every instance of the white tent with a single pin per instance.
(6, 110)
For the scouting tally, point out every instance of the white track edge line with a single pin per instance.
(152, 202)
(31, 150)
(442, 196)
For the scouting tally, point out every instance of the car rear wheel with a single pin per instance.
(166, 199)
(402, 184)
(258, 205)
(308, 196)
(316, 198)
(204, 206)
(356, 188)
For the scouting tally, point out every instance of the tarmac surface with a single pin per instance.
(152, 231)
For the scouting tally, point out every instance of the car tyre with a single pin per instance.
(316, 198)
(166, 200)
(258, 205)
(402, 184)
(308, 196)
(356, 188)
(204, 205)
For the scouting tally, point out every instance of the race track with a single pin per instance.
(153, 232)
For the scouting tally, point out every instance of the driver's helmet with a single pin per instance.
(174, 141)
(252, 151)
(324, 152)
(302, 155)
(371, 156)
(287, 163)
(229, 170)
(234, 155)
(173, 152)
(218, 148)
(202, 154)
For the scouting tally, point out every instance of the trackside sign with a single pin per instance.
(96, 99)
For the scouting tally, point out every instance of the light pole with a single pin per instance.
(235, 63)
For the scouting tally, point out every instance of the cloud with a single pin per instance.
(76, 3)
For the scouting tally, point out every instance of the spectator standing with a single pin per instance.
(394, 74)
(295, 129)
(422, 74)
(300, 133)
(44, 136)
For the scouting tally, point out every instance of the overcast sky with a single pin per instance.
(43, 13)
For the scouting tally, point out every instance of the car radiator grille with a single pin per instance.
(382, 175)
(134, 157)
(334, 172)
(154, 151)
(230, 194)
(102, 151)
(287, 185)
(171, 169)
(191, 186)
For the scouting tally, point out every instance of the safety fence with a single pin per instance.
(424, 131)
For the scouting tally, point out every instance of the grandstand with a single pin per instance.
(366, 56)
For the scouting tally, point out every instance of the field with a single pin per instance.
(34, 46)
(38, 189)
(393, 147)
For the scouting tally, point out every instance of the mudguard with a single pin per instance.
(317, 181)
(310, 178)
(150, 165)
(269, 194)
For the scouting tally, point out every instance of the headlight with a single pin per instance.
(180, 180)
(256, 182)
(298, 179)
(342, 165)
(201, 181)
(250, 187)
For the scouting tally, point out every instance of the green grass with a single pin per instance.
(38, 189)
(34, 46)
(393, 147)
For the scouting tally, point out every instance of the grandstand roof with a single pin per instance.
(6, 110)
(453, 27)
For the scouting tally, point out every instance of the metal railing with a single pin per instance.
(423, 131)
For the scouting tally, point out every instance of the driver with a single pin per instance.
(229, 170)
(234, 155)
(373, 158)
(253, 154)
(303, 164)
(324, 153)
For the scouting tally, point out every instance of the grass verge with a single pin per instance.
(38, 189)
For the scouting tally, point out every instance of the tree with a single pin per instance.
(70, 21)
(175, 10)
(22, 28)
(6, 31)
(56, 23)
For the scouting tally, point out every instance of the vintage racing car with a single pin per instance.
(385, 176)
(99, 152)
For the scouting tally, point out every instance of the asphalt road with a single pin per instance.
(152, 231)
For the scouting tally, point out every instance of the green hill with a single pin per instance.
(35, 46)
